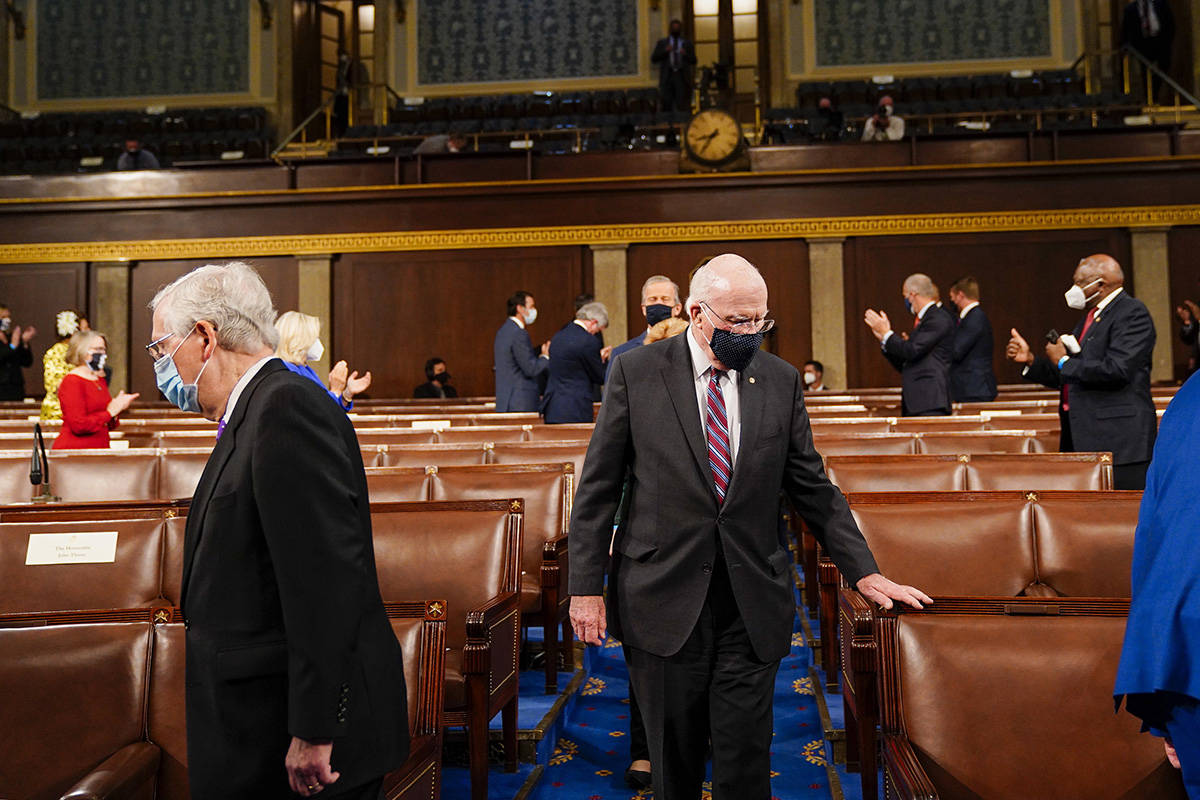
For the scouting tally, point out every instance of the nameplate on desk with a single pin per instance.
(71, 548)
(118, 444)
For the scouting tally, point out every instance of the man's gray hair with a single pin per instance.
(712, 280)
(659, 279)
(594, 311)
(231, 296)
(921, 284)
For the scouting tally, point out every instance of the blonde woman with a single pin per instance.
(54, 362)
(88, 411)
(300, 342)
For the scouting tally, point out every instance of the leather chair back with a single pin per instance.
(14, 476)
(845, 427)
(440, 455)
(172, 561)
(1007, 441)
(399, 484)
(897, 473)
(998, 706)
(89, 475)
(180, 471)
(408, 632)
(205, 437)
(1039, 471)
(393, 436)
(131, 581)
(981, 547)
(73, 696)
(1084, 545)
(938, 424)
(542, 453)
(866, 444)
(571, 431)
(373, 455)
(478, 434)
(165, 720)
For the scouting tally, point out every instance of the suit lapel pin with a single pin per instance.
(751, 379)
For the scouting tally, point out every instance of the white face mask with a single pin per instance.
(315, 351)
(1076, 298)
(810, 378)
(530, 316)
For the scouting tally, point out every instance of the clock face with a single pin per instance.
(712, 136)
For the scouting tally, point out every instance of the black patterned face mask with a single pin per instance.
(97, 362)
(735, 350)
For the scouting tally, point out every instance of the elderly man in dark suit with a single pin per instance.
(706, 430)
(971, 376)
(294, 677)
(675, 56)
(1105, 402)
(517, 364)
(922, 359)
(577, 366)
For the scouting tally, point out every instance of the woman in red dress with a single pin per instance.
(88, 411)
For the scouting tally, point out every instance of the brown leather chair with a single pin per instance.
(1066, 471)
(205, 437)
(373, 455)
(1043, 423)
(825, 426)
(74, 689)
(440, 455)
(131, 580)
(395, 436)
(966, 422)
(165, 719)
(172, 562)
(897, 473)
(1084, 546)
(399, 484)
(88, 475)
(478, 434)
(1012, 705)
(866, 444)
(955, 442)
(556, 452)
(421, 631)
(547, 490)
(470, 554)
(571, 431)
(505, 418)
(179, 471)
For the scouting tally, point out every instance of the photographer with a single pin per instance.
(884, 125)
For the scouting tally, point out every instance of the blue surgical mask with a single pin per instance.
(185, 396)
(908, 305)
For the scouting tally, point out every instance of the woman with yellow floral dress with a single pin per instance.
(54, 362)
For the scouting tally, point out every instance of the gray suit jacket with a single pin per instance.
(665, 551)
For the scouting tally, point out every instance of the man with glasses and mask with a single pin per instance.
(709, 430)
(1103, 373)
(295, 680)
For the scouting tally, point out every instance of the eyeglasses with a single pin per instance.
(752, 326)
(155, 348)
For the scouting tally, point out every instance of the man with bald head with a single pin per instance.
(1105, 403)
(706, 430)
(923, 358)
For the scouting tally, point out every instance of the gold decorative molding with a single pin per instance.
(1136, 217)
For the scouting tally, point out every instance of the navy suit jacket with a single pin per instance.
(924, 363)
(1108, 383)
(971, 376)
(575, 367)
(625, 347)
(517, 367)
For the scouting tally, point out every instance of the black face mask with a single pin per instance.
(442, 377)
(97, 362)
(735, 350)
(657, 313)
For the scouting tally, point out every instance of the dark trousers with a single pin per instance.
(367, 791)
(639, 749)
(713, 688)
(676, 94)
(1130, 476)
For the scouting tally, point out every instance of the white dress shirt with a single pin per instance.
(238, 387)
(963, 314)
(701, 364)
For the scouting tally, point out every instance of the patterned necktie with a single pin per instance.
(1087, 323)
(718, 436)
(220, 428)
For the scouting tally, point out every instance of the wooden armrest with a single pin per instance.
(477, 655)
(857, 610)
(553, 548)
(904, 772)
(121, 775)
(554, 562)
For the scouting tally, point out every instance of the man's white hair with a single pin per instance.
(921, 284)
(593, 311)
(231, 296)
(653, 279)
(714, 278)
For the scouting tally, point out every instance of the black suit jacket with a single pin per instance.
(13, 361)
(430, 390)
(666, 548)
(1157, 48)
(286, 631)
(971, 376)
(924, 362)
(662, 57)
(1108, 383)
(575, 369)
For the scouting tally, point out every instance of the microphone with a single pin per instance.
(35, 465)
(39, 468)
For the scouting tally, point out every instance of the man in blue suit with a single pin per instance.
(923, 358)
(971, 376)
(578, 364)
(660, 300)
(517, 364)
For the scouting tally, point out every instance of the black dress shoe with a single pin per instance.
(637, 779)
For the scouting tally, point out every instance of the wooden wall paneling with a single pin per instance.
(35, 293)
(278, 272)
(395, 310)
(1183, 245)
(1022, 279)
(783, 264)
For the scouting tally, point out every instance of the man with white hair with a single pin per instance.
(922, 358)
(294, 677)
(709, 430)
(576, 366)
(660, 300)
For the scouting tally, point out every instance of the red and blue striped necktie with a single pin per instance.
(717, 425)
